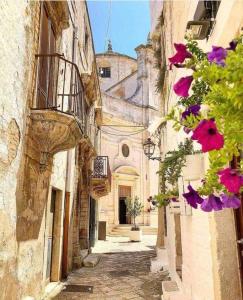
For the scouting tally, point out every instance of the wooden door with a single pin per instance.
(51, 216)
(92, 221)
(65, 236)
(45, 85)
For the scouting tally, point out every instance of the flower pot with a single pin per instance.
(194, 167)
(135, 235)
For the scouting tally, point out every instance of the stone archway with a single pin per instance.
(124, 176)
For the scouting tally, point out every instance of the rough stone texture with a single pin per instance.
(25, 192)
(91, 260)
(121, 274)
(209, 256)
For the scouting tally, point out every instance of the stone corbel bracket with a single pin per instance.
(51, 132)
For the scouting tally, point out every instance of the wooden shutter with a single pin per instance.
(46, 64)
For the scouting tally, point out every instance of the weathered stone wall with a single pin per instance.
(23, 247)
(19, 32)
(209, 251)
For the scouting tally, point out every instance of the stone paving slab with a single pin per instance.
(119, 275)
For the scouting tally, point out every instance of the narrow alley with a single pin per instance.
(123, 272)
(121, 150)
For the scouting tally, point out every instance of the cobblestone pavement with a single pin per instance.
(123, 272)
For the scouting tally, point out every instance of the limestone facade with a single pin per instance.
(130, 104)
(202, 250)
(46, 146)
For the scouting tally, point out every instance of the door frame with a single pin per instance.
(56, 250)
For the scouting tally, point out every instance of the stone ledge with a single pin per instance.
(91, 260)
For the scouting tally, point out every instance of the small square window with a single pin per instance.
(105, 72)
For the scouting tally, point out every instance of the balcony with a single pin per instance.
(101, 176)
(60, 114)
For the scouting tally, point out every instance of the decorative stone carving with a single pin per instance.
(91, 85)
(59, 13)
(51, 132)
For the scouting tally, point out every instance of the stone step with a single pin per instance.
(91, 260)
(171, 291)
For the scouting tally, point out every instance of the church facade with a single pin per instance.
(129, 106)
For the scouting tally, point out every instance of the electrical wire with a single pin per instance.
(108, 26)
(115, 134)
(122, 131)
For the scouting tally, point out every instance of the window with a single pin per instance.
(86, 42)
(206, 10)
(125, 150)
(105, 72)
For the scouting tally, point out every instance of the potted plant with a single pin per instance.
(134, 209)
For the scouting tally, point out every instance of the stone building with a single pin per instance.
(130, 105)
(50, 113)
(201, 251)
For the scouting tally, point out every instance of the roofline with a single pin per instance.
(92, 43)
(111, 53)
(130, 75)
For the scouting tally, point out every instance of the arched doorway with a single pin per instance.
(126, 183)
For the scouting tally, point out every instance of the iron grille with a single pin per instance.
(101, 167)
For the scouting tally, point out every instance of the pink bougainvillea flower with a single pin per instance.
(231, 180)
(230, 201)
(207, 135)
(180, 55)
(212, 203)
(192, 197)
(217, 55)
(182, 86)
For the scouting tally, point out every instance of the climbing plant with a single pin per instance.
(210, 110)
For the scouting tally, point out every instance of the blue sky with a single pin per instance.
(129, 24)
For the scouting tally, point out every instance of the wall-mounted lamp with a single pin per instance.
(148, 149)
(199, 29)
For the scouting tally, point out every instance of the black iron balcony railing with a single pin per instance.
(101, 168)
(59, 87)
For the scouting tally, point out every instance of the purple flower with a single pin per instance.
(174, 199)
(217, 55)
(193, 109)
(187, 130)
(231, 180)
(232, 45)
(207, 135)
(192, 197)
(182, 86)
(230, 201)
(180, 55)
(212, 203)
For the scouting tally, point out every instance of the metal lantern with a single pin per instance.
(199, 29)
(148, 148)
